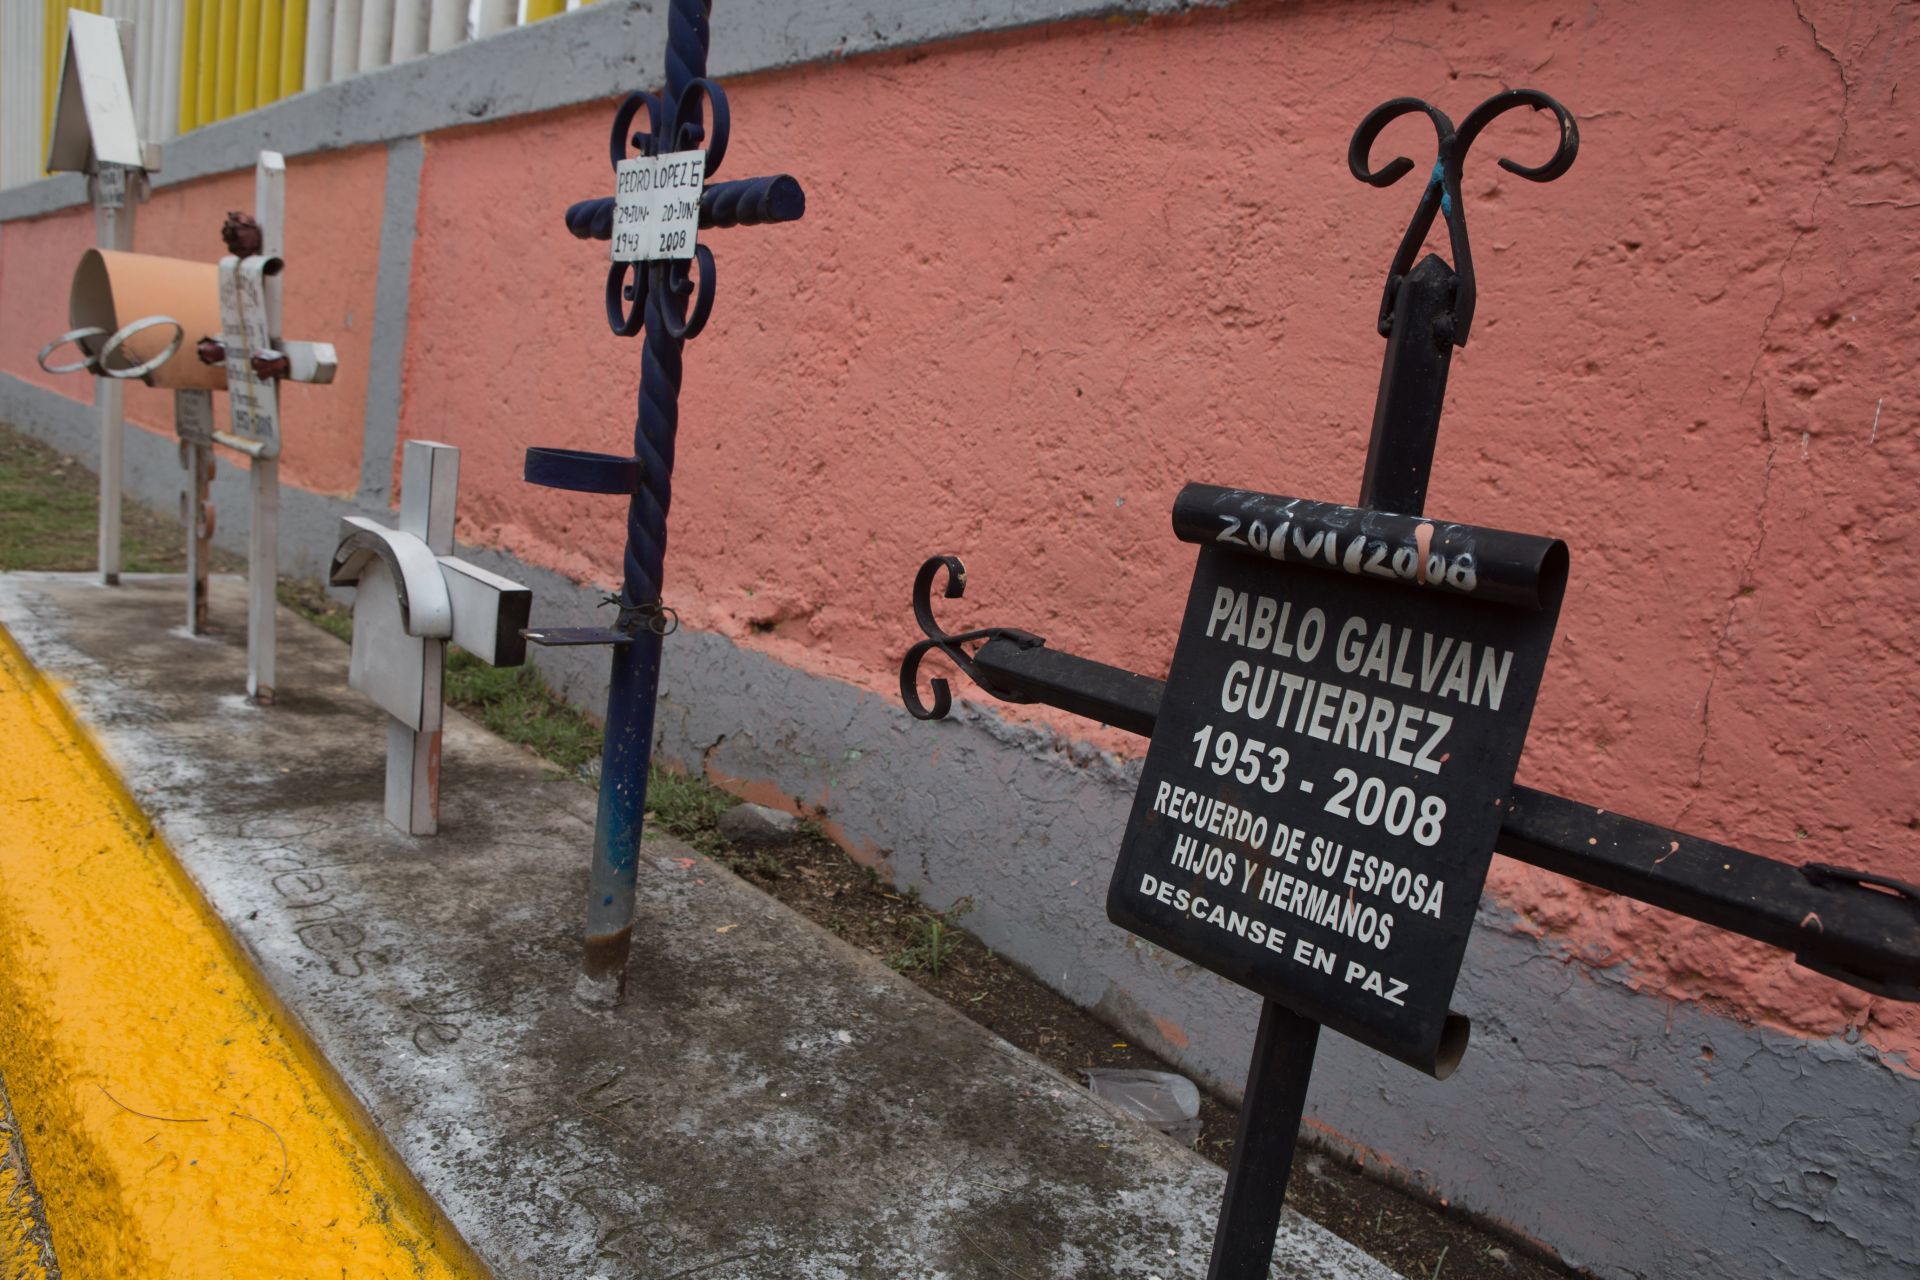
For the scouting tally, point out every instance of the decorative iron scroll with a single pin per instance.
(950, 645)
(1441, 194)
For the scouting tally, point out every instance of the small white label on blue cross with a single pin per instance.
(656, 210)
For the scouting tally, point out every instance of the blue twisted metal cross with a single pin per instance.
(1442, 193)
(663, 301)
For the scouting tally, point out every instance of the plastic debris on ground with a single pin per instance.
(1168, 1102)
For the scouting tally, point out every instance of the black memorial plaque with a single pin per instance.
(1342, 721)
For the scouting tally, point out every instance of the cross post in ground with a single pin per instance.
(193, 424)
(665, 197)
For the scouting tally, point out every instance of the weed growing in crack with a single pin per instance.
(931, 939)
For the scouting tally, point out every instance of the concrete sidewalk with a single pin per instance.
(769, 1101)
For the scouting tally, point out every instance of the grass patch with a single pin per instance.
(932, 939)
(310, 600)
(517, 704)
(49, 506)
(513, 702)
(690, 808)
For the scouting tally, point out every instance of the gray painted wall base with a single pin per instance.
(1586, 1115)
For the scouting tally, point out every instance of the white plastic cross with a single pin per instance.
(411, 596)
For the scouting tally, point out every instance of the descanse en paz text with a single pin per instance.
(1349, 891)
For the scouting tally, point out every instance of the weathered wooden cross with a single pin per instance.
(413, 595)
(94, 132)
(1332, 754)
(256, 359)
(193, 424)
(664, 199)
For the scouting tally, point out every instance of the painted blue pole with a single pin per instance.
(664, 302)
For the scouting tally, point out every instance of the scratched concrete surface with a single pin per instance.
(769, 1102)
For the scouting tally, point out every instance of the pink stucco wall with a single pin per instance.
(1047, 277)
(334, 205)
(37, 257)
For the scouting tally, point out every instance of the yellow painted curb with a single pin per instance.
(25, 1251)
(176, 1122)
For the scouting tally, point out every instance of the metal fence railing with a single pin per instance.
(193, 62)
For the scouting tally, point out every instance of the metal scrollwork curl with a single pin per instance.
(688, 131)
(1441, 195)
(622, 136)
(679, 280)
(950, 645)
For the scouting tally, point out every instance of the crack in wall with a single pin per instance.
(1745, 585)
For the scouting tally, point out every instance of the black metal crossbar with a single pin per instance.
(1861, 930)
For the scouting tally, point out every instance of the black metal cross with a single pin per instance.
(1858, 928)
(663, 300)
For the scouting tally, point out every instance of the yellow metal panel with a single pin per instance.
(223, 69)
(209, 60)
(538, 9)
(293, 48)
(273, 37)
(190, 65)
(246, 57)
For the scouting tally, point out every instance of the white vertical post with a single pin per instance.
(199, 521)
(173, 35)
(448, 26)
(263, 533)
(429, 488)
(497, 15)
(319, 48)
(413, 761)
(270, 211)
(346, 39)
(263, 575)
(192, 502)
(114, 229)
(110, 400)
(376, 34)
(22, 59)
(409, 29)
